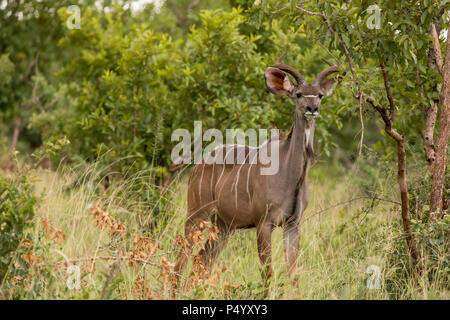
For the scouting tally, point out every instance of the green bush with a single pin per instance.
(130, 87)
(17, 207)
(433, 242)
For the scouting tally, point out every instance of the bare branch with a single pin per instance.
(378, 107)
(348, 202)
(338, 62)
(280, 9)
(361, 141)
(328, 62)
(310, 12)
(118, 258)
(388, 91)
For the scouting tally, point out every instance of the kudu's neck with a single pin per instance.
(298, 151)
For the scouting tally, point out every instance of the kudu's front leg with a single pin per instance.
(291, 245)
(264, 234)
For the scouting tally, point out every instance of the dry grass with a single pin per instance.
(337, 245)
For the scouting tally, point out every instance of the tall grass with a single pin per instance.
(340, 239)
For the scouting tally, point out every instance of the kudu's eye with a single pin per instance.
(320, 96)
(298, 94)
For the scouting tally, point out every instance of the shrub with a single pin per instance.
(17, 205)
(433, 242)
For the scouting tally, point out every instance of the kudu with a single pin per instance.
(239, 196)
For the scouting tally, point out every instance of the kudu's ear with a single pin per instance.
(327, 86)
(278, 82)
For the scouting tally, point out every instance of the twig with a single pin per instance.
(347, 202)
(387, 86)
(338, 62)
(378, 107)
(361, 141)
(109, 258)
(311, 13)
(280, 9)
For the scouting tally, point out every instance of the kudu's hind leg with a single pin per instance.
(264, 235)
(213, 248)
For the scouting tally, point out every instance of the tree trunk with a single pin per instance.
(388, 118)
(404, 195)
(428, 133)
(440, 164)
(430, 120)
(15, 136)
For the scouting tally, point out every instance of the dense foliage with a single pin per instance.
(129, 87)
(121, 83)
(17, 206)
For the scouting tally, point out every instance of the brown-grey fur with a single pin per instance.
(237, 195)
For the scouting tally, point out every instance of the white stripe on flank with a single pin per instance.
(223, 169)
(237, 179)
(248, 175)
(237, 174)
(234, 163)
(200, 184)
(212, 179)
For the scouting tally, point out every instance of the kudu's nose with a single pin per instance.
(312, 109)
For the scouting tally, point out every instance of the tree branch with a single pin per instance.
(438, 197)
(348, 202)
(310, 12)
(361, 141)
(428, 132)
(378, 107)
(430, 123)
(387, 86)
(114, 258)
(437, 48)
